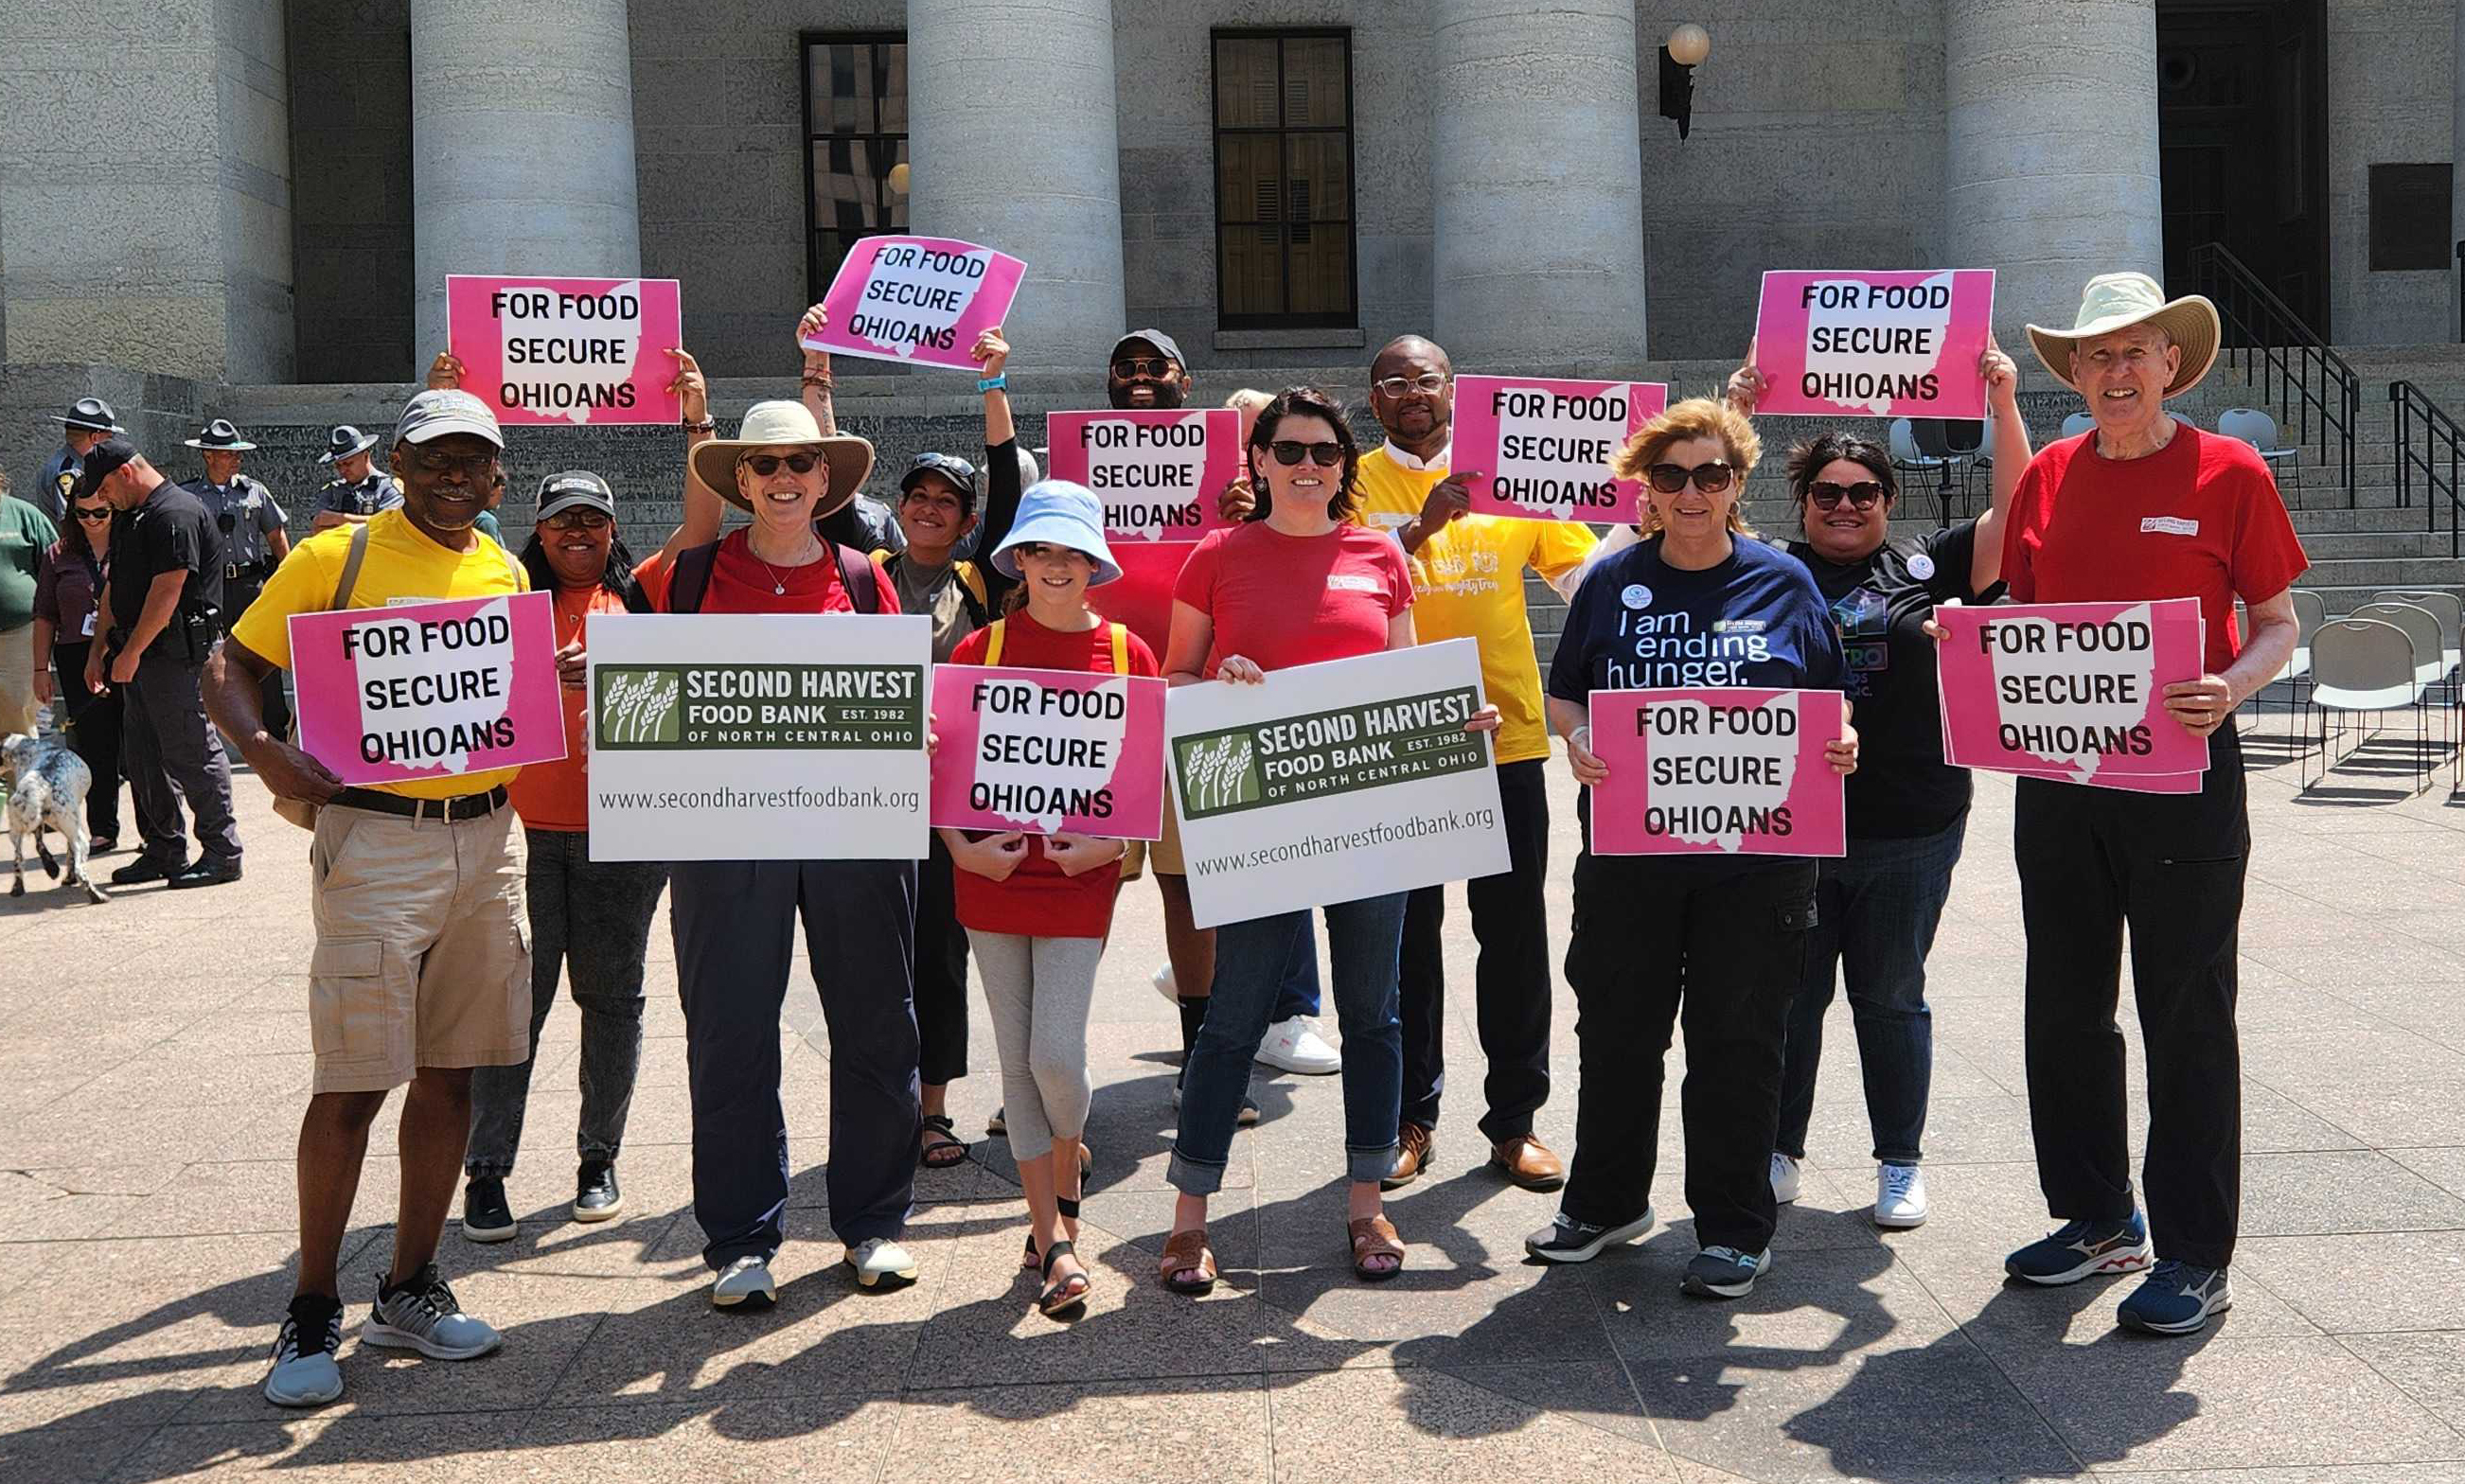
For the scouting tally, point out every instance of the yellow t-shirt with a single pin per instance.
(1469, 579)
(401, 563)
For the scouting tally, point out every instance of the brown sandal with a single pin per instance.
(1189, 1268)
(1374, 1236)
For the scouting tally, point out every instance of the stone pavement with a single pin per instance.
(153, 1062)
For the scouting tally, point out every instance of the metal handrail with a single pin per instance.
(2426, 436)
(2285, 358)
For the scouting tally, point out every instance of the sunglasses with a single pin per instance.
(1141, 365)
(1711, 478)
(1327, 455)
(579, 521)
(764, 465)
(1828, 495)
(94, 512)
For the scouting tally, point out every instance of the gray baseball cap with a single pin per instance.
(441, 411)
(563, 492)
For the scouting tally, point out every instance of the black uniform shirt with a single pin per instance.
(170, 532)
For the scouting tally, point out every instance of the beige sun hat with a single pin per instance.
(784, 424)
(2118, 301)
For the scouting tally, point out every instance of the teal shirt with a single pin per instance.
(26, 533)
(486, 520)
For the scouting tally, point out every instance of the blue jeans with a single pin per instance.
(1876, 913)
(1251, 959)
(1297, 992)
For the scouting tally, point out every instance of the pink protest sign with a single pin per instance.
(428, 690)
(1542, 448)
(1855, 343)
(546, 351)
(918, 300)
(1717, 772)
(1158, 471)
(2071, 691)
(1048, 751)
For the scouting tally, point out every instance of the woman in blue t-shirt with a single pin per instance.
(1698, 601)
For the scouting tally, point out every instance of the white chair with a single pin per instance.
(2360, 665)
(2450, 611)
(2257, 429)
(2077, 424)
(2421, 626)
(1908, 459)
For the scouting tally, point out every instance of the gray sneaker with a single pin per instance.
(304, 1371)
(744, 1284)
(424, 1315)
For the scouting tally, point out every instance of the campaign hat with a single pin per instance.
(345, 441)
(91, 413)
(220, 436)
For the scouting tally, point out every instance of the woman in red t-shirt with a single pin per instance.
(1036, 908)
(1296, 585)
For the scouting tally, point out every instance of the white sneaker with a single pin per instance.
(744, 1283)
(1166, 984)
(1785, 1179)
(1899, 1196)
(1295, 1045)
(876, 1259)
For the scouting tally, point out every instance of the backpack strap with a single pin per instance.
(691, 579)
(1120, 649)
(513, 567)
(979, 606)
(993, 641)
(856, 572)
(351, 564)
(885, 556)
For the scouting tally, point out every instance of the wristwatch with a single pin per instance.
(706, 425)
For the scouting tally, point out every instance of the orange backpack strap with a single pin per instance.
(993, 641)
(1120, 649)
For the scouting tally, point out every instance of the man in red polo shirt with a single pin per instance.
(2143, 507)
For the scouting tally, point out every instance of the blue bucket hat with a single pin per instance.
(1059, 513)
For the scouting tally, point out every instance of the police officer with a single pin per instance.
(358, 489)
(254, 540)
(166, 588)
(88, 421)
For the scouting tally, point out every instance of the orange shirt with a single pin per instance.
(557, 795)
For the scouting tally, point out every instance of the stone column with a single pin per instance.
(2456, 326)
(1012, 144)
(1537, 182)
(522, 138)
(2051, 157)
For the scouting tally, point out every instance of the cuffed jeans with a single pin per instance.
(591, 919)
(2170, 867)
(1250, 958)
(1726, 940)
(1510, 920)
(734, 924)
(1876, 913)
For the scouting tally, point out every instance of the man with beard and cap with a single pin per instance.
(254, 537)
(165, 598)
(1469, 572)
(1144, 371)
(88, 421)
(359, 489)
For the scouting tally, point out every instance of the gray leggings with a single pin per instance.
(1041, 989)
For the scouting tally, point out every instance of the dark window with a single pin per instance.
(1283, 180)
(2410, 205)
(855, 128)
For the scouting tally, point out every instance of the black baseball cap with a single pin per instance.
(559, 493)
(102, 461)
(1162, 342)
(961, 474)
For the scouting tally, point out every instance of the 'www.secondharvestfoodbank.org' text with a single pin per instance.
(1310, 846)
(722, 797)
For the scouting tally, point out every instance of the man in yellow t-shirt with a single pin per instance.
(422, 968)
(1468, 571)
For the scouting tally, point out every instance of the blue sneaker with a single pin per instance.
(2176, 1298)
(2082, 1250)
(1725, 1272)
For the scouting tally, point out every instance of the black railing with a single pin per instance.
(2316, 395)
(2429, 445)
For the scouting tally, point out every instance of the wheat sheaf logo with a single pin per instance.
(640, 706)
(1219, 772)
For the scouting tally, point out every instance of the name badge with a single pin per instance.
(2169, 525)
(88, 629)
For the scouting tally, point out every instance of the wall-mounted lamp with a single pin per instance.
(1687, 47)
(898, 177)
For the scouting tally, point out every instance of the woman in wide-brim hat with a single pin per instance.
(782, 428)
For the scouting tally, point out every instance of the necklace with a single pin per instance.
(778, 584)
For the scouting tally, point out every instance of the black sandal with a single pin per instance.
(932, 1151)
(1062, 1299)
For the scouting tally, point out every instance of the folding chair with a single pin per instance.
(2077, 424)
(2430, 667)
(2360, 665)
(2256, 428)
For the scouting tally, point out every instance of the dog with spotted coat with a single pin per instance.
(47, 789)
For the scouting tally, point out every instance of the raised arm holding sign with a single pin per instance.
(1862, 343)
(565, 350)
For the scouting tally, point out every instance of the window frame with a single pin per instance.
(1349, 317)
(817, 286)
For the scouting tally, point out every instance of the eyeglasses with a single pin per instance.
(579, 521)
(1141, 365)
(94, 512)
(1427, 382)
(1828, 495)
(764, 465)
(474, 466)
(1327, 455)
(1711, 478)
